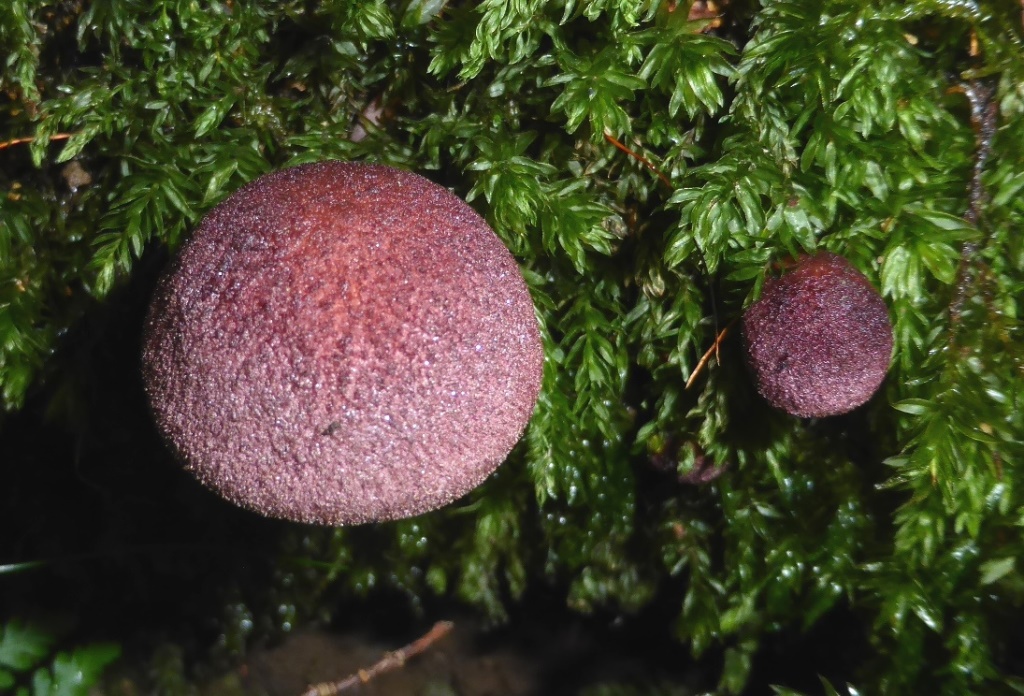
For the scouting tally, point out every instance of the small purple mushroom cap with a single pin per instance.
(341, 343)
(819, 340)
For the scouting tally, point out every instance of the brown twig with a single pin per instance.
(984, 113)
(390, 661)
(713, 350)
(20, 141)
(640, 158)
(984, 116)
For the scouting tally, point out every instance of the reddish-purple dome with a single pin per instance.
(819, 340)
(341, 343)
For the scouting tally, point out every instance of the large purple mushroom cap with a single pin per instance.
(341, 343)
(819, 340)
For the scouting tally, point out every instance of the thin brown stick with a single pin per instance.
(984, 118)
(20, 141)
(713, 350)
(640, 158)
(390, 661)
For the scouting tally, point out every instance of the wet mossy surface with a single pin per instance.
(879, 548)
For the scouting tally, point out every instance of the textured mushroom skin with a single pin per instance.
(341, 343)
(819, 340)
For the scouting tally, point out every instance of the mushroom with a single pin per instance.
(340, 343)
(819, 340)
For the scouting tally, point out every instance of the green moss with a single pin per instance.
(795, 126)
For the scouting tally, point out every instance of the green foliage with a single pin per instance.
(594, 90)
(30, 667)
(795, 126)
(829, 690)
(634, 690)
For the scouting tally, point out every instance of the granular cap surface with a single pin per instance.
(341, 343)
(819, 340)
